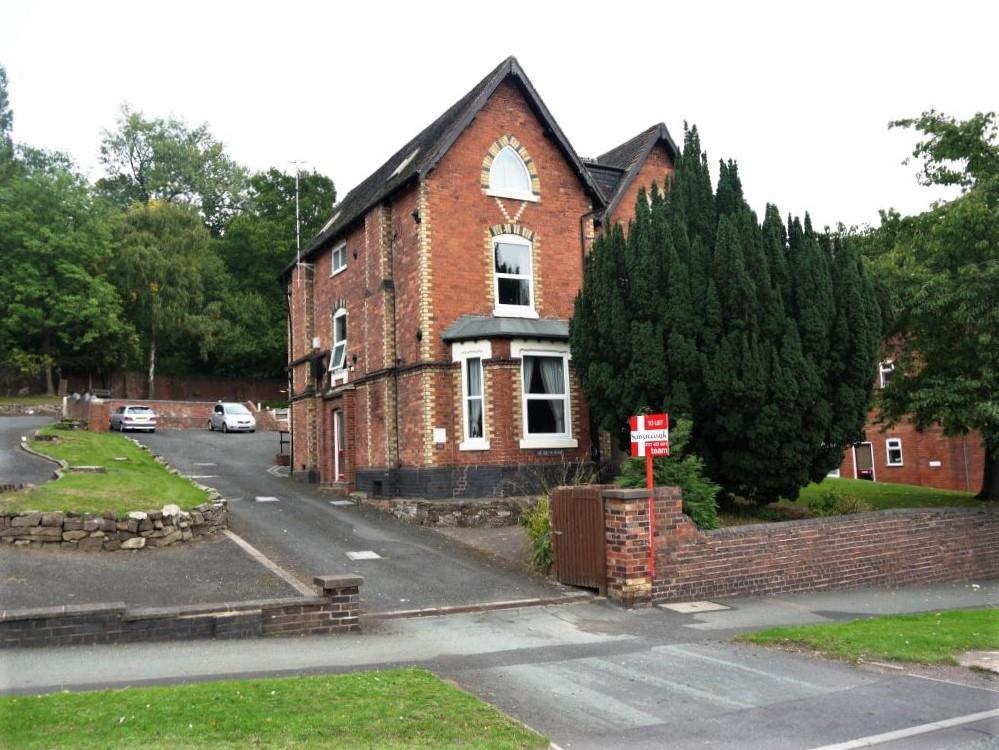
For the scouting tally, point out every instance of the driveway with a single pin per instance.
(18, 466)
(297, 526)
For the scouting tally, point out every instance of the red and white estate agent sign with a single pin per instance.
(650, 438)
(650, 435)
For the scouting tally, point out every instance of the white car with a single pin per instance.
(133, 418)
(232, 418)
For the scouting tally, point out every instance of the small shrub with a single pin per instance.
(537, 520)
(834, 504)
(700, 494)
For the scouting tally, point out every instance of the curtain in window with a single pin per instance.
(474, 393)
(552, 375)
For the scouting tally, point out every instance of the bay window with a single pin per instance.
(471, 355)
(546, 407)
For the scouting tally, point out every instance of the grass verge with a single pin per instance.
(392, 709)
(32, 400)
(930, 638)
(136, 483)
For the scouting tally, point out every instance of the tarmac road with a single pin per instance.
(306, 535)
(18, 466)
(597, 676)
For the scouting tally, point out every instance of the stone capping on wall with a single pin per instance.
(110, 531)
(335, 609)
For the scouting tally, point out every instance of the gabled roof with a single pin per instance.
(422, 153)
(628, 159)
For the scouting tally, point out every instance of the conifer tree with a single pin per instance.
(763, 334)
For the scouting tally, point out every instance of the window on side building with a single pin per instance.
(893, 448)
(886, 369)
(339, 259)
(513, 273)
(338, 355)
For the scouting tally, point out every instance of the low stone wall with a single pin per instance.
(26, 410)
(109, 531)
(492, 512)
(334, 610)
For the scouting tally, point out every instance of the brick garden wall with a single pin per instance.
(334, 610)
(170, 415)
(893, 547)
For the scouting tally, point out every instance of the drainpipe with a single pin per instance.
(291, 387)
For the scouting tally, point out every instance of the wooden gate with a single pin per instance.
(578, 537)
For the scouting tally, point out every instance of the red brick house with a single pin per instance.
(428, 321)
(904, 455)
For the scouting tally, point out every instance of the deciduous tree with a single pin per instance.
(942, 270)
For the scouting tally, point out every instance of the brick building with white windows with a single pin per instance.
(428, 321)
(904, 455)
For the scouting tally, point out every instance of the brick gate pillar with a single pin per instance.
(626, 535)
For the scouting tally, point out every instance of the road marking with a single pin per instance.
(691, 607)
(898, 734)
(735, 665)
(202, 476)
(365, 554)
(272, 566)
(266, 499)
(341, 502)
(205, 463)
(278, 471)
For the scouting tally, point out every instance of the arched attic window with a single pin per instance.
(508, 176)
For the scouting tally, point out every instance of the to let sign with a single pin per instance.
(650, 435)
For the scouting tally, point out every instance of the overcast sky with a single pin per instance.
(800, 94)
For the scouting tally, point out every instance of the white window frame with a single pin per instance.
(339, 374)
(885, 367)
(834, 473)
(513, 311)
(500, 192)
(338, 251)
(525, 348)
(889, 448)
(462, 352)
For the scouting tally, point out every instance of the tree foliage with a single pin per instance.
(764, 334)
(162, 265)
(150, 159)
(56, 304)
(942, 271)
(255, 246)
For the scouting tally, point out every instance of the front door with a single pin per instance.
(338, 463)
(863, 461)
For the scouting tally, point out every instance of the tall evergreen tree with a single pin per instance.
(765, 335)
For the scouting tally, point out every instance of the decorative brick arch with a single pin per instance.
(521, 231)
(512, 142)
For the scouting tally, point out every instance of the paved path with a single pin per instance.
(597, 676)
(305, 534)
(203, 572)
(18, 466)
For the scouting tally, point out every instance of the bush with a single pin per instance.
(538, 521)
(833, 504)
(700, 494)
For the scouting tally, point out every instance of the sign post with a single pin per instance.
(650, 438)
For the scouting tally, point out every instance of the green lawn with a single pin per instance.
(882, 495)
(874, 495)
(930, 638)
(138, 483)
(393, 709)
